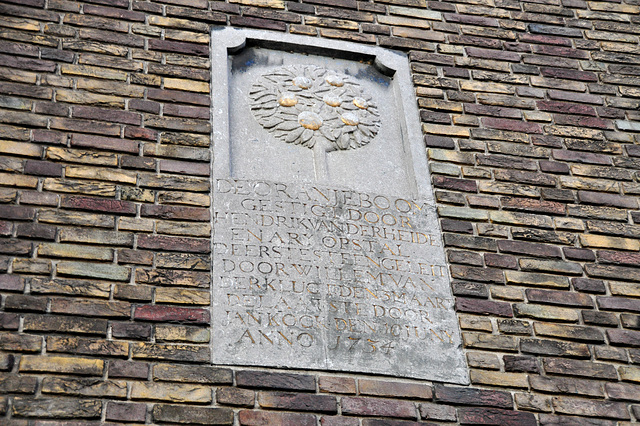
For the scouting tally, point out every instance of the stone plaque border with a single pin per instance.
(225, 42)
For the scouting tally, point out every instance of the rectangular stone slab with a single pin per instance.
(327, 251)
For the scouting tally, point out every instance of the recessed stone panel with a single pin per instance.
(327, 252)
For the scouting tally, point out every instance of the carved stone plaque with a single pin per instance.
(327, 248)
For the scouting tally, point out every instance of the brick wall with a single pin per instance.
(532, 127)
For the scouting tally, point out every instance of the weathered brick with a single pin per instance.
(14, 383)
(125, 411)
(545, 312)
(492, 416)
(96, 387)
(568, 405)
(64, 324)
(20, 342)
(192, 415)
(171, 392)
(362, 406)
(171, 352)
(571, 332)
(579, 368)
(257, 418)
(172, 314)
(618, 303)
(55, 364)
(390, 389)
(236, 397)
(555, 297)
(484, 307)
(298, 402)
(567, 385)
(128, 369)
(181, 244)
(269, 380)
(192, 374)
(181, 333)
(131, 330)
(464, 396)
(624, 337)
(87, 346)
(60, 408)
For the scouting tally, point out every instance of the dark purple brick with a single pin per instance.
(282, 381)
(484, 307)
(466, 396)
(172, 314)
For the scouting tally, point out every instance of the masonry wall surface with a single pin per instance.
(531, 117)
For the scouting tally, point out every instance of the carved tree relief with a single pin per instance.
(316, 108)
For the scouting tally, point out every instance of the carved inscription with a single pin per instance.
(328, 278)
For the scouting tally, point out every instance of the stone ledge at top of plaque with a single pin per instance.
(327, 252)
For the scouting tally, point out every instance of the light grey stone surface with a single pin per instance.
(327, 248)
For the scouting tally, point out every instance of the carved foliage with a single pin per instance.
(312, 106)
